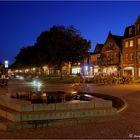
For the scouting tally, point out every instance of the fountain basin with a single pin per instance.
(25, 114)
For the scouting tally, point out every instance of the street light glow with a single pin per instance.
(6, 63)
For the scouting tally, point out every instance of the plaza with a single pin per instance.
(124, 125)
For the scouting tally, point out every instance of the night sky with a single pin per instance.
(22, 22)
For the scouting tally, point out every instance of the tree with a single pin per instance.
(64, 45)
(55, 47)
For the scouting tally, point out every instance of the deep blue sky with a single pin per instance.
(22, 22)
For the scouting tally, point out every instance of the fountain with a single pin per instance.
(36, 109)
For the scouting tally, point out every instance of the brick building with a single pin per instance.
(107, 57)
(131, 50)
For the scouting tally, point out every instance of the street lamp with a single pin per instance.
(6, 64)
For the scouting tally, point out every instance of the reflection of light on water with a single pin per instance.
(87, 95)
(73, 92)
(37, 85)
(19, 77)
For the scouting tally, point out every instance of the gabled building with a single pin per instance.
(110, 58)
(107, 57)
(131, 50)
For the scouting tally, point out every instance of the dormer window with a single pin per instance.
(130, 31)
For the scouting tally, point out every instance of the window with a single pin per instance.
(130, 31)
(126, 44)
(138, 41)
(126, 57)
(131, 43)
(110, 46)
(131, 56)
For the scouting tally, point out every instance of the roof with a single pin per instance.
(91, 53)
(129, 31)
(118, 40)
(98, 48)
(137, 20)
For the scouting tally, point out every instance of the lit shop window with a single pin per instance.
(76, 70)
(131, 43)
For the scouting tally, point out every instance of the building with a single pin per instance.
(110, 58)
(131, 50)
(94, 58)
(107, 57)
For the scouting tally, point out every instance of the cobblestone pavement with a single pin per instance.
(126, 125)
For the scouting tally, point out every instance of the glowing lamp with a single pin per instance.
(6, 64)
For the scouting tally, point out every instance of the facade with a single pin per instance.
(131, 50)
(107, 57)
(94, 58)
(110, 58)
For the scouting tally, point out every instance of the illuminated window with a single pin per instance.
(76, 70)
(131, 43)
(126, 44)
